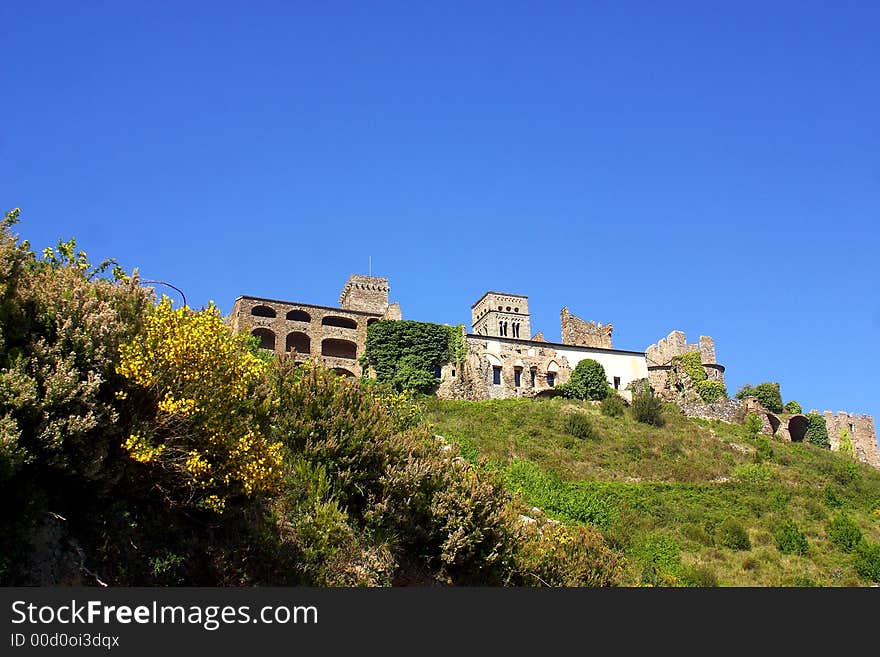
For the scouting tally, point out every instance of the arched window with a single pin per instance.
(262, 311)
(299, 316)
(338, 348)
(341, 371)
(342, 322)
(372, 320)
(299, 342)
(267, 338)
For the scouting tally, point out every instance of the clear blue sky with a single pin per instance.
(709, 167)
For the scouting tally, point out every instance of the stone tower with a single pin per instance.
(367, 294)
(501, 315)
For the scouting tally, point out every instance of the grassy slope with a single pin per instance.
(657, 491)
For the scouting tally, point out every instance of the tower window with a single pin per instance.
(496, 375)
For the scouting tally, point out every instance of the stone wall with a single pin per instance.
(660, 357)
(579, 333)
(502, 314)
(861, 433)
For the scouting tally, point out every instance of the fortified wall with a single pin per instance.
(580, 333)
(660, 355)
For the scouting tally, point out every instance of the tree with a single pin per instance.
(588, 381)
(767, 394)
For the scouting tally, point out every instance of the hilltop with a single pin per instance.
(688, 503)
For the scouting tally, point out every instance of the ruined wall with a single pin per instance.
(660, 357)
(860, 431)
(580, 333)
(365, 293)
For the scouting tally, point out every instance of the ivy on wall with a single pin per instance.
(692, 364)
(406, 354)
(817, 431)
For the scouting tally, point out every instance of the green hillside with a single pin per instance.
(688, 503)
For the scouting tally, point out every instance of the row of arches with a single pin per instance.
(303, 316)
(302, 344)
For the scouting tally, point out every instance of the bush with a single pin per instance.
(700, 576)
(613, 406)
(767, 394)
(793, 407)
(790, 539)
(753, 425)
(844, 533)
(866, 560)
(578, 424)
(648, 409)
(763, 450)
(562, 555)
(587, 381)
(832, 499)
(817, 431)
(710, 391)
(733, 535)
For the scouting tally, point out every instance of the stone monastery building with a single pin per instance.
(504, 359)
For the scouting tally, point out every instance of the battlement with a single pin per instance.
(580, 333)
(365, 293)
(675, 344)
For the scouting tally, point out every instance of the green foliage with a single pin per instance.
(790, 539)
(832, 499)
(710, 391)
(844, 532)
(793, 407)
(752, 473)
(753, 425)
(866, 560)
(578, 424)
(733, 535)
(700, 576)
(588, 381)
(660, 557)
(767, 393)
(405, 354)
(613, 406)
(648, 409)
(692, 365)
(561, 555)
(817, 431)
(763, 450)
(846, 447)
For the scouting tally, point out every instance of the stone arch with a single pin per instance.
(267, 338)
(341, 322)
(263, 311)
(774, 422)
(797, 428)
(299, 316)
(338, 348)
(341, 371)
(298, 341)
(494, 361)
(372, 320)
(553, 367)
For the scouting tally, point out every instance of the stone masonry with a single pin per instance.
(336, 337)
(660, 357)
(580, 333)
(499, 314)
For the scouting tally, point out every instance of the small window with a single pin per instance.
(534, 373)
(438, 372)
(516, 330)
(551, 379)
(517, 377)
(262, 311)
(500, 308)
(453, 373)
(508, 308)
(299, 316)
(496, 375)
(851, 429)
(617, 383)
(516, 310)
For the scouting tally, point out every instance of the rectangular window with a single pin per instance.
(551, 379)
(517, 377)
(534, 374)
(617, 383)
(438, 372)
(496, 375)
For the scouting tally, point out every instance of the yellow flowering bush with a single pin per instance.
(209, 422)
(568, 555)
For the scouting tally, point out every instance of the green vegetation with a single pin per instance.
(685, 504)
(578, 424)
(817, 431)
(844, 533)
(587, 381)
(793, 407)
(753, 424)
(709, 391)
(767, 393)
(405, 354)
(613, 405)
(648, 409)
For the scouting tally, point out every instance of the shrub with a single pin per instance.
(817, 431)
(562, 555)
(648, 409)
(767, 394)
(587, 381)
(578, 424)
(866, 560)
(844, 532)
(753, 425)
(710, 391)
(700, 576)
(613, 406)
(763, 450)
(832, 499)
(790, 539)
(793, 407)
(733, 535)
(661, 561)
